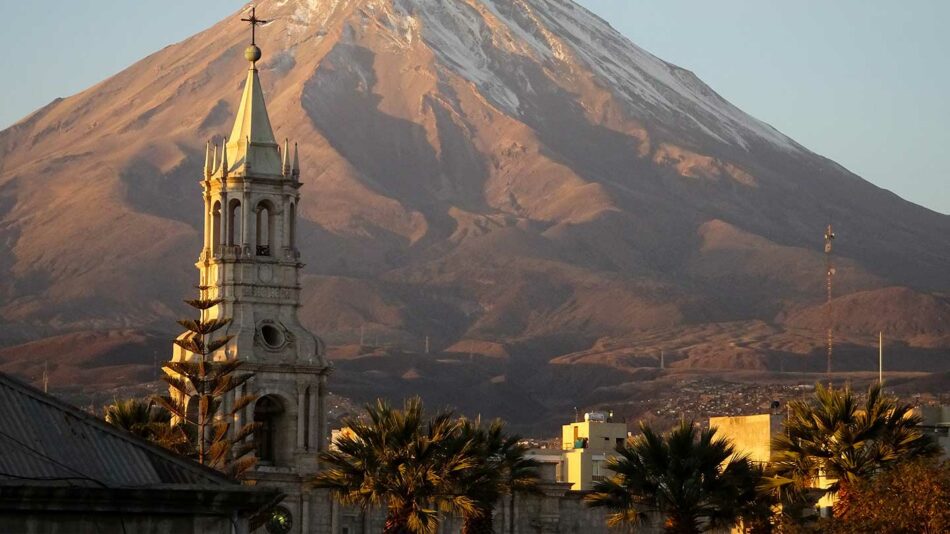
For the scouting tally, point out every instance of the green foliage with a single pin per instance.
(148, 420)
(135, 415)
(199, 389)
(692, 479)
(500, 468)
(417, 465)
(837, 435)
(910, 497)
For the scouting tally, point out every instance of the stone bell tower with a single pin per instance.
(250, 261)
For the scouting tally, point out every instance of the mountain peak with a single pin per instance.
(513, 171)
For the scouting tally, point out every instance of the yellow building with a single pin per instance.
(587, 446)
(750, 434)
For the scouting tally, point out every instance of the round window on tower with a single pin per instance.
(272, 336)
(280, 521)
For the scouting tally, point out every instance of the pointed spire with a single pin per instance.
(214, 157)
(251, 144)
(208, 159)
(296, 168)
(285, 158)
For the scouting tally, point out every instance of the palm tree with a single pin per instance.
(844, 440)
(696, 481)
(501, 468)
(401, 459)
(138, 416)
(146, 419)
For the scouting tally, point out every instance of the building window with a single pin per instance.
(267, 414)
(272, 336)
(235, 222)
(215, 228)
(597, 470)
(266, 225)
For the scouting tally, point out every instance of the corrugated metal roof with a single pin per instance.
(46, 440)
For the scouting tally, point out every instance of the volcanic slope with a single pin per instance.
(507, 172)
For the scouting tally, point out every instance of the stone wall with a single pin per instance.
(554, 510)
(99, 523)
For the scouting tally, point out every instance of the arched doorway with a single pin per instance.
(268, 412)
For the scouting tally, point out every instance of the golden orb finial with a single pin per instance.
(252, 53)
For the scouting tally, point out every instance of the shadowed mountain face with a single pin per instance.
(482, 172)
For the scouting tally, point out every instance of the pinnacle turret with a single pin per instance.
(285, 158)
(296, 167)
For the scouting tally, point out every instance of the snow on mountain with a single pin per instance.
(562, 35)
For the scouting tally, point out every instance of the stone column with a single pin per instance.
(225, 219)
(301, 416)
(314, 441)
(304, 513)
(322, 412)
(245, 216)
(334, 516)
(208, 245)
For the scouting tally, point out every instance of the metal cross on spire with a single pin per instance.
(254, 22)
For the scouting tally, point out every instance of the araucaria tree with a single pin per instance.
(842, 439)
(202, 401)
(403, 460)
(693, 480)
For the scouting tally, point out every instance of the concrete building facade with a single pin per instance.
(750, 434)
(586, 447)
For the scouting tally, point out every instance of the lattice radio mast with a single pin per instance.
(829, 274)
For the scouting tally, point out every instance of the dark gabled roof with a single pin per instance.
(46, 441)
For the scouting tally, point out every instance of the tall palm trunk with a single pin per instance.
(482, 522)
(681, 524)
(397, 522)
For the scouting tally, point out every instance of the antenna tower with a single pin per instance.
(829, 274)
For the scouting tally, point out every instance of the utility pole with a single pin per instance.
(880, 358)
(662, 360)
(46, 376)
(829, 273)
(427, 344)
(361, 335)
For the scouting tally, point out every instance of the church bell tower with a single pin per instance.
(250, 261)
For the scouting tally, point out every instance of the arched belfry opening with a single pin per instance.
(266, 223)
(268, 414)
(235, 222)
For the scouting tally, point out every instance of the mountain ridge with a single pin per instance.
(510, 172)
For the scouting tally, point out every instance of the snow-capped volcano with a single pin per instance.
(499, 171)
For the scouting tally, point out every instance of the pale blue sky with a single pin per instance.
(864, 82)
